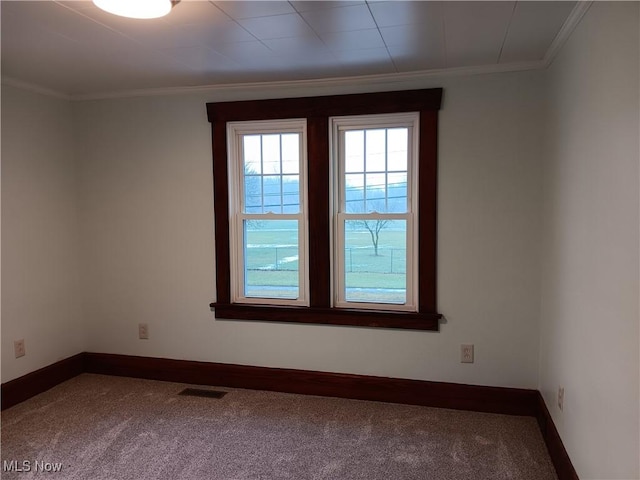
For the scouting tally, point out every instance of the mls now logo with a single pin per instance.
(28, 466)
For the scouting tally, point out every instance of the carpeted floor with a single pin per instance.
(101, 427)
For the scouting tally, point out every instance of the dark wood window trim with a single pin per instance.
(317, 111)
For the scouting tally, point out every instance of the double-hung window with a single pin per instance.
(325, 209)
(374, 231)
(267, 230)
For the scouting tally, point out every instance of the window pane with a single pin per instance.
(271, 193)
(354, 151)
(291, 193)
(397, 145)
(376, 150)
(271, 259)
(376, 192)
(354, 193)
(252, 152)
(271, 154)
(252, 193)
(291, 153)
(375, 261)
(397, 192)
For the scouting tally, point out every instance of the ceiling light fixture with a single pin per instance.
(137, 8)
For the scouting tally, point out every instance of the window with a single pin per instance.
(268, 231)
(374, 232)
(325, 209)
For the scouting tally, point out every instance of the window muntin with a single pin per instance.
(374, 232)
(267, 212)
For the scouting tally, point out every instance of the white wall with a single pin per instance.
(147, 238)
(590, 293)
(41, 300)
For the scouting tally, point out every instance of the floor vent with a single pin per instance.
(197, 392)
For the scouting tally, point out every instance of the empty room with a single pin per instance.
(249, 240)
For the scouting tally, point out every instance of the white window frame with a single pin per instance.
(235, 132)
(338, 125)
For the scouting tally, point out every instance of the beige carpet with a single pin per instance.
(100, 427)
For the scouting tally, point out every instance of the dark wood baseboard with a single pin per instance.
(557, 452)
(511, 401)
(30, 385)
(412, 392)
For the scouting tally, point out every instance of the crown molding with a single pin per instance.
(34, 88)
(391, 79)
(565, 31)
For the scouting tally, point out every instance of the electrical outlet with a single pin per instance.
(561, 398)
(18, 346)
(143, 331)
(466, 353)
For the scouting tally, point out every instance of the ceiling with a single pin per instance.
(74, 48)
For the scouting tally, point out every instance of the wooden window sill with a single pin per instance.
(329, 316)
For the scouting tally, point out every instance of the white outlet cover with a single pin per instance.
(143, 331)
(19, 348)
(466, 353)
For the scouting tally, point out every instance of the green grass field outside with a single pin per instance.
(272, 261)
